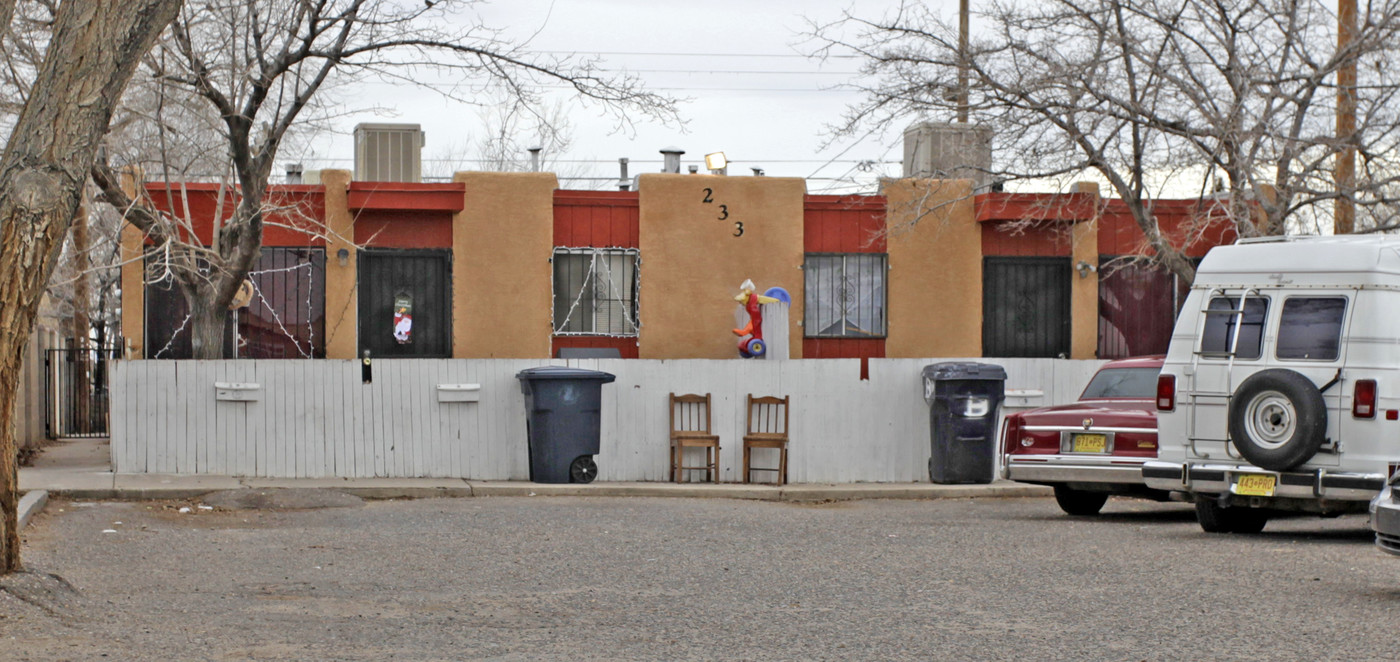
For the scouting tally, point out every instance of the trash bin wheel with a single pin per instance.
(583, 469)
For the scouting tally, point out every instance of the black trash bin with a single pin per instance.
(563, 407)
(963, 400)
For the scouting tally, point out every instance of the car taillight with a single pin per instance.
(1010, 433)
(1166, 392)
(1363, 401)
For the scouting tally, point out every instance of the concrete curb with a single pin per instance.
(145, 487)
(31, 504)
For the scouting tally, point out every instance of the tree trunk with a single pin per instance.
(93, 51)
(208, 328)
(82, 324)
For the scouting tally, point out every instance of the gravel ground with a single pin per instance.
(681, 579)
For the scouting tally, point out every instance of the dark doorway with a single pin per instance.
(1138, 304)
(1025, 307)
(405, 303)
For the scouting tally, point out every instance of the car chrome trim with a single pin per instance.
(1217, 479)
(1077, 469)
(1385, 521)
(1080, 430)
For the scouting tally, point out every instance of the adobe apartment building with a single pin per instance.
(508, 265)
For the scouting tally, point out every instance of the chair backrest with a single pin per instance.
(768, 415)
(690, 413)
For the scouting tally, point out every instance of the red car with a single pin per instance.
(1094, 448)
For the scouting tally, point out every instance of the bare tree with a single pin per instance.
(256, 67)
(1232, 100)
(93, 50)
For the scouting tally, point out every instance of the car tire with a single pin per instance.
(1214, 518)
(1278, 419)
(1079, 503)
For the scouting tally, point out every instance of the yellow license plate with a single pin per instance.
(1089, 443)
(1254, 485)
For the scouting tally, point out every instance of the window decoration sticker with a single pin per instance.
(751, 343)
(403, 318)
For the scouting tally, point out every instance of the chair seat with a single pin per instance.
(694, 437)
(766, 437)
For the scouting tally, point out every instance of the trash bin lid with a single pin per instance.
(964, 370)
(561, 372)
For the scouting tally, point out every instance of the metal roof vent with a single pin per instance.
(949, 151)
(388, 153)
(673, 159)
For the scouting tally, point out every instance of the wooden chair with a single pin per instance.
(690, 428)
(767, 428)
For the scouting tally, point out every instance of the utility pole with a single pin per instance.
(962, 60)
(1344, 209)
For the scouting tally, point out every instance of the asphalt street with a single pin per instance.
(568, 578)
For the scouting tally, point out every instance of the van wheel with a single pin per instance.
(1215, 519)
(1277, 419)
(1078, 502)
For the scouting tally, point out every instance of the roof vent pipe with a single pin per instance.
(672, 163)
(534, 158)
(294, 173)
(623, 183)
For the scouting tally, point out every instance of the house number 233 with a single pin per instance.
(723, 214)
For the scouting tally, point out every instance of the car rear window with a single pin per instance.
(1221, 320)
(1310, 328)
(1139, 383)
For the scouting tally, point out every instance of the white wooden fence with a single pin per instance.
(315, 418)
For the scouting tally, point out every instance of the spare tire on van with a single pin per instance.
(1277, 419)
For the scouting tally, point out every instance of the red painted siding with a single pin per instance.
(843, 348)
(1037, 239)
(597, 219)
(399, 196)
(292, 207)
(1030, 224)
(1120, 235)
(627, 347)
(844, 224)
(388, 229)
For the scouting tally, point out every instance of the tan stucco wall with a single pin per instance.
(342, 309)
(133, 276)
(502, 298)
(692, 264)
(935, 281)
(133, 291)
(1084, 292)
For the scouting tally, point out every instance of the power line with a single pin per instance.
(788, 72)
(706, 55)
(822, 90)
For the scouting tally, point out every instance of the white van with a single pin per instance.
(1281, 386)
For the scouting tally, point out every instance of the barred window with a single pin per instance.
(285, 319)
(595, 291)
(845, 295)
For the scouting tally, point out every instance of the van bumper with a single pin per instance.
(1222, 479)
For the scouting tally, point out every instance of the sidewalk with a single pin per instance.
(81, 469)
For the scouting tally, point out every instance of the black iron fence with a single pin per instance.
(75, 388)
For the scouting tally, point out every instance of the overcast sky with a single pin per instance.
(754, 95)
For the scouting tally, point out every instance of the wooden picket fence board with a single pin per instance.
(315, 418)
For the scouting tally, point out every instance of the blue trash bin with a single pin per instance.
(563, 407)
